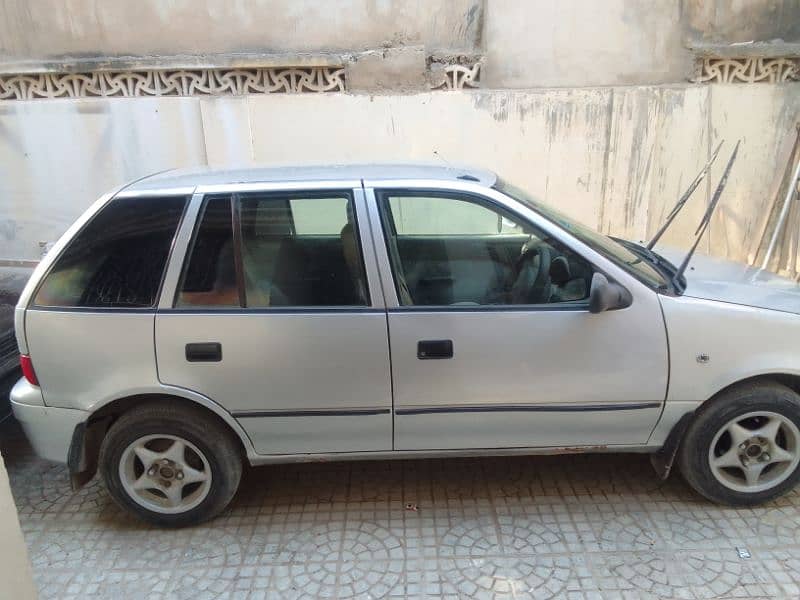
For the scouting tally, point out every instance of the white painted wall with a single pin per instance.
(615, 158)
(56, 156)
(15, 570)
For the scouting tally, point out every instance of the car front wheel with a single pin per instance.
(743, 448)
(170, 465)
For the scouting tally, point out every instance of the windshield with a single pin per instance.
(614, 251)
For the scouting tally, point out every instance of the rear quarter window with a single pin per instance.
(118, 259)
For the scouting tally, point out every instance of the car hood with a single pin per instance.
(728, 281)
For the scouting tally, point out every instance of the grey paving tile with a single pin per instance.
(575, 527)
(690, 575)
(513, 576)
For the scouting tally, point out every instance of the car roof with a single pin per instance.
(197, 176)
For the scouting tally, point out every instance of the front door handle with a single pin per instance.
(204, 352)
(433, 349)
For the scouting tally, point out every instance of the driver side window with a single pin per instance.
(451, 249)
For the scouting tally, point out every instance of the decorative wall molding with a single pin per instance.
(454, 72)
(178, 82)
(459, 77)
(235, 76)
(747, 70)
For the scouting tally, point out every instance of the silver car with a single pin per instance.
(195, 320)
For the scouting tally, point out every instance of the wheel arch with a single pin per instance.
(88, 436)
(790, 380)
(664, 457)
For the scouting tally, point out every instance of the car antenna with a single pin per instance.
(701, 228)
(686, 195)
(441, 158)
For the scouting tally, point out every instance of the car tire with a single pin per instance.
(170, 465)
(728, 450)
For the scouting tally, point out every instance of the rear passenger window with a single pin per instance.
(209, 278)
(118, 259)
(289, 250)
(312, 217)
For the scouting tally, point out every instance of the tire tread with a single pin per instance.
(202, 430)
(759, 395)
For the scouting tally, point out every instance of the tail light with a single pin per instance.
(27, 369)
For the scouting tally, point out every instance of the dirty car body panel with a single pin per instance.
(512, 376)
(404, 360)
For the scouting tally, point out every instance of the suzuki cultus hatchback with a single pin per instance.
(196, 320)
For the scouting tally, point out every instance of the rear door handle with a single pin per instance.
(433, 349)
(204, 352)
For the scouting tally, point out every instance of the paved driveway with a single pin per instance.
(538, 527)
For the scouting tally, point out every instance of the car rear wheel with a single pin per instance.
(743, 448)
(170, 465)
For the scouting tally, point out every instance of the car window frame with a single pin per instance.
(380, 196)
(86, 221)
(666, 287)
(243, 191)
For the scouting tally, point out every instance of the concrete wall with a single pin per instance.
(543, 43)
(527, 43)
(540, 43)
(15, 571)
(730, 21)
(616, 158)
(42, 30)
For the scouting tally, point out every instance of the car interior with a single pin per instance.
(452, 251)
(488, 269)
(282, 267)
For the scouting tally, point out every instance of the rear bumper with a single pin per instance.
(49, 429)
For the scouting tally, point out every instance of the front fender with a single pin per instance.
(713, 345)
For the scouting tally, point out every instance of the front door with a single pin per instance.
(274, 320)
(492, 342)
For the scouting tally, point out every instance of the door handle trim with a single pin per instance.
(434, 349)
(204, 352)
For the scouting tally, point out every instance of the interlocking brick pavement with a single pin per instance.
(575, 526)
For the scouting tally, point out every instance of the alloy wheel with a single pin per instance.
(755, 451)
(165, 473)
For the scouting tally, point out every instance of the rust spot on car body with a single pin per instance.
(579, 449)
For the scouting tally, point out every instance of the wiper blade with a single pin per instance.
(701, 228)
(640, 251)
(661, 264)
(682, 200)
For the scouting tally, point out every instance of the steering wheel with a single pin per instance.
(532, 281)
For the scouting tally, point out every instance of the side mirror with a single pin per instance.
(607, 295)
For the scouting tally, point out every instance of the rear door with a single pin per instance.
(492, 341)
(278, 317)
